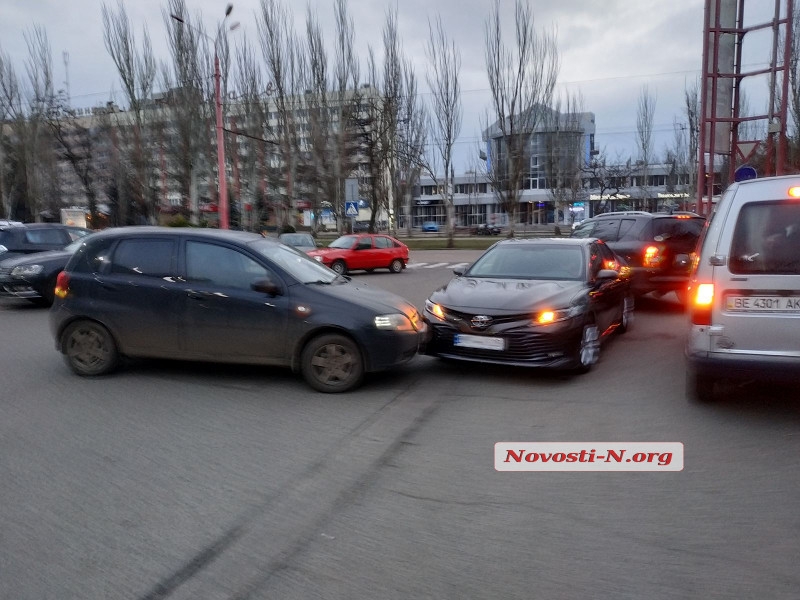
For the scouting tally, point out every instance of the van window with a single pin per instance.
(767, 239)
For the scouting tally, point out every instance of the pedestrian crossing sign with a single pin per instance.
(351, 209)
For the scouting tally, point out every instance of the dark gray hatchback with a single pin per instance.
(225, 296)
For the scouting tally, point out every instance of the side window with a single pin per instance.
(595, 261)
(92, 257)
(607, 230)
(383, 242)
(627, 230)
(219, 265)
(144, 257)
(364, 244)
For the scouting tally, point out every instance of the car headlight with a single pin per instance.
(545, 317)
(26, 271)
(394, 322)
(435, 309)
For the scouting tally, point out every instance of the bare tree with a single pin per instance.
(644, 139)
(184, 106)
(137, 71)
(521, 81)
(411, 144)
(444, 64)
(608, 177)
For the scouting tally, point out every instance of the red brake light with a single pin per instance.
(701, 299)
(652, 256)
(62, 285)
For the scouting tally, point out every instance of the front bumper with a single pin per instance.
(552, 346)
(390, 349)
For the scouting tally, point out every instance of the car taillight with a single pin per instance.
(652, 256)
(62, 285)
(701, 301)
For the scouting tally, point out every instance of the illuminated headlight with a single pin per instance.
(26, 271)
(318, 258)
(395, 322)
(546, 317)
(436, 310)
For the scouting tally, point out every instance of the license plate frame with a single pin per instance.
(479, 342)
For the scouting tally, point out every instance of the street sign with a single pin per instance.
(744, 173)
(351, 209)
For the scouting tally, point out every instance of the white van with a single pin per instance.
(744, 292)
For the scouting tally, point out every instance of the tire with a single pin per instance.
(332, 363)
(396, 266)
(89, 349)
(588, 348)
(700, 390)
(627, 314)
(339, 267)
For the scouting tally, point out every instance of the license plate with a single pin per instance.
(785, 304)
(479, 341)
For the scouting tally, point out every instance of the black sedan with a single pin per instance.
(33, 276)
(535, 303)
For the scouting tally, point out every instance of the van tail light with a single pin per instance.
(701, 301)
(653, 256)
(62, 285)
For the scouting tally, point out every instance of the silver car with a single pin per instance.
(745, 290)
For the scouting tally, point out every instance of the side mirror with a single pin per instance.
(605, 274)
(459, 271)
(266, 286)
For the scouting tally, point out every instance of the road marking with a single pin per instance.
(459, 266)
(436, 265)
(415, 265)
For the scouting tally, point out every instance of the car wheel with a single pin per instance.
(332, 363)
(396, 266)
(339, 267)
(589, 348)
(89, 349)
(699, 389)
(627, 314)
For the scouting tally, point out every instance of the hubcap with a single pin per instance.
(87, 348)
(333, 364)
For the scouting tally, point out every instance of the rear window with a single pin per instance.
(148, 258)
(54, 237)
(677, 229)
(766, 239)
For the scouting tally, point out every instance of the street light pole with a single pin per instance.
(222, 183)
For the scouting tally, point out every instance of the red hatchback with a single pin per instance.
(363, 251)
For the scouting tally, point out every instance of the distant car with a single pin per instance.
(302, 241)
(430, 226)
(484, 229)
(658, 247)
(33, 276)
(744, 300)
(363, 252)
(532, 303)
(361, 227)
(20, 239)
(224, 296)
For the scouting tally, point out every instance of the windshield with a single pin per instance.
(293, 262)
(530, 261)
(297, 239)
(346, 242)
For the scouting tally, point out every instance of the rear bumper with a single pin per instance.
(778, 369)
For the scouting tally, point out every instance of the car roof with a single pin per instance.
(220, 234)
(564, 241)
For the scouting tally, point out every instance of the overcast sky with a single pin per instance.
(609, 50)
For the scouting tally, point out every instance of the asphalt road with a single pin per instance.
(194, 481)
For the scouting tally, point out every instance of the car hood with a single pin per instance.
(37, 258)
(505, 295)
(368, 298)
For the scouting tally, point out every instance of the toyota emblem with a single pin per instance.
(481, 321)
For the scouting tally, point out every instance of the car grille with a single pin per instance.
(521, 346)
(455, 316)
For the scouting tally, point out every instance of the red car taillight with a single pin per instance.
(62, 285)
(701, 300)
(653, 256)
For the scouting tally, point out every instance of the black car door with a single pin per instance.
(607, 294)
(223, 317)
